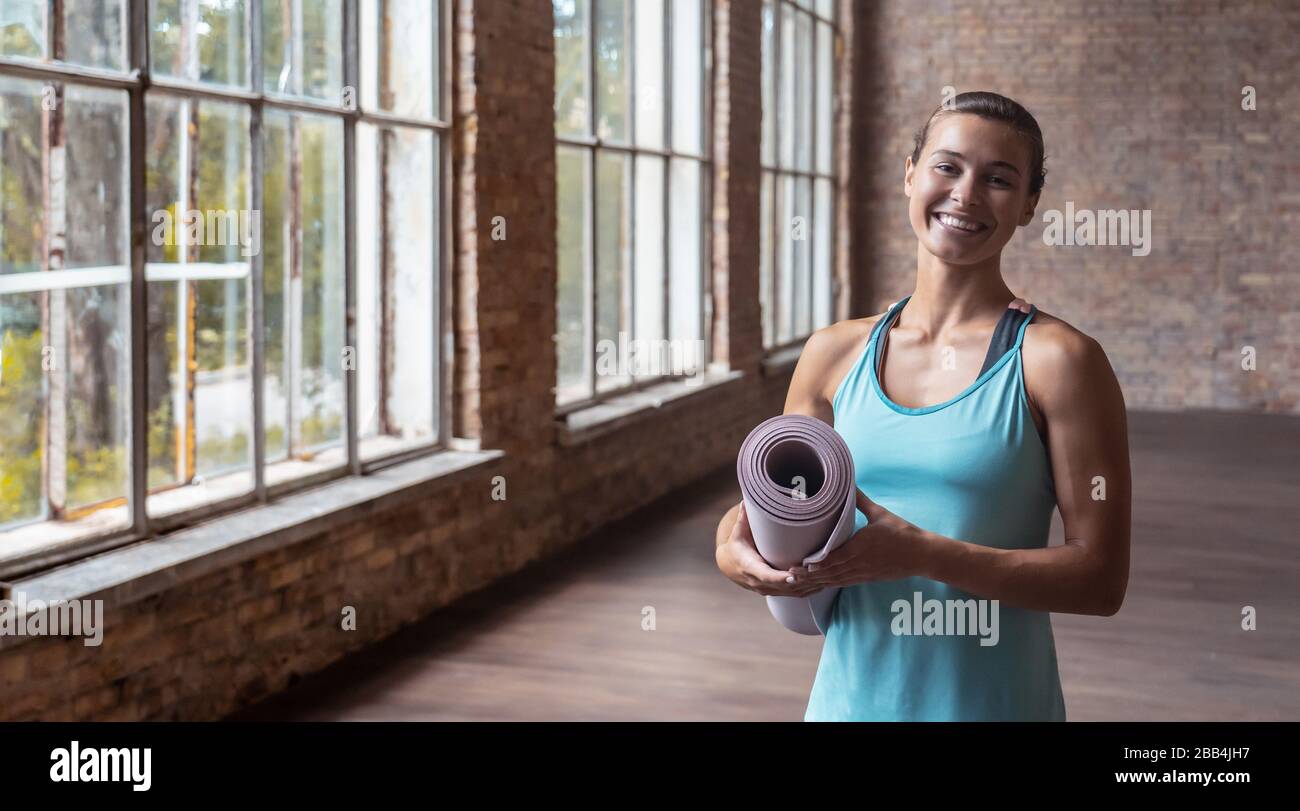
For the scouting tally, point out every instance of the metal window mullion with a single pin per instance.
(139, 434)
(666, 99)
(813, 146)
(445, 334)
(838, 292)
(592, 219)
(774, 303)
(59, 72)
(351, 79)
(706, 184)
(257, 288)
(54, 304)
(632, 162)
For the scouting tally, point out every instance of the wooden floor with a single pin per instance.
(1216, 527)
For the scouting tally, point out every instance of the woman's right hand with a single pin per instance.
(739, 560)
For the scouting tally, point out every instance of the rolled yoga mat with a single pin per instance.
(789, 529)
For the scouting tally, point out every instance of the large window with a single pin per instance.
(281, 321)
(800, 186)
(631, 101)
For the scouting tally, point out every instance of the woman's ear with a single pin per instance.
(907, 176)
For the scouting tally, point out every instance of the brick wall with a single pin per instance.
(213, 645)
(1140, 106)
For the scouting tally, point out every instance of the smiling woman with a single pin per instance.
(970, 420)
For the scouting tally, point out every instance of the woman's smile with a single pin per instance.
(957, 226)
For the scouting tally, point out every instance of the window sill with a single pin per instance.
(620, 410)
(782, 361)
(131, 573)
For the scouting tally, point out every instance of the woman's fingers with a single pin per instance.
(759, 576)
(740, 530)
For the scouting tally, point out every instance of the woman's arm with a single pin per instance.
(1087, 438)
(734, 549)
(1087, 429)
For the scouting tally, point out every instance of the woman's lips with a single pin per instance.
(954, 229)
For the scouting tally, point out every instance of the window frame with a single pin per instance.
(777, 172)
(593, 145)
(139, 85)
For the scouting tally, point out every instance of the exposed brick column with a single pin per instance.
(504, 148)
(737, 174)
(852, 255)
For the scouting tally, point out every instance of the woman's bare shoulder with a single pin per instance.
(831, 343)
(1061, 361)
(830, 351)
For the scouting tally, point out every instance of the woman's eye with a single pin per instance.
(997, 179)
(945, 167)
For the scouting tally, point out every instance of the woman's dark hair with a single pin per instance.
(995, 108)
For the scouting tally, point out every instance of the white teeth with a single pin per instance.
(965, 225)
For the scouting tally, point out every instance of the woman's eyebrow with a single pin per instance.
(960, 156)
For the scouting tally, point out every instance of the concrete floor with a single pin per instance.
(1215, 517)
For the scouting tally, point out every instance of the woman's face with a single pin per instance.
(970, 190)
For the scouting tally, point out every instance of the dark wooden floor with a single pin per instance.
(1216, 526)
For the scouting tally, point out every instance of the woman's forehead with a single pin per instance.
(977, 138)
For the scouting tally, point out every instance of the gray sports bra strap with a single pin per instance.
(1004, 337)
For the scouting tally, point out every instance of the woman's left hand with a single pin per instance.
(887, 548)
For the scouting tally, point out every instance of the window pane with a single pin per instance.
(823, 255)
(613, 76)
(786, 87)
(64, 323)
(94, 33)
(400, 57)
(767, 254)
(613, 261)
(98, 318)
(571, 64)
(303, 288)
(22, 213)
(22, 28)
(825, 88)
(803, 144)
(686, 282)
(200, 40)
(688, 74)
(785, 258)
(573, 295)
(303, 48)
(397, 274)
(769, 84)
(23, 494)
(200, 415)
(803, 236)
(826, 8)
(648, 267)
(650, 73)
(97, 197)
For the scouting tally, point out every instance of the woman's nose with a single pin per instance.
(964, 190)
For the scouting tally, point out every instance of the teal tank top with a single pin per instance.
(972, 468)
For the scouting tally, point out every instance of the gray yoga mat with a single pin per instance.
(797, 478)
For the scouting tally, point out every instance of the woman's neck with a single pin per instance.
(951, 296)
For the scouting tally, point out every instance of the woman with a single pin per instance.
(970, 417)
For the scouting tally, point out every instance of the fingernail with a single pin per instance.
(790, 579)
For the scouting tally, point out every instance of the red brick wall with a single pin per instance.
(1140, 105)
